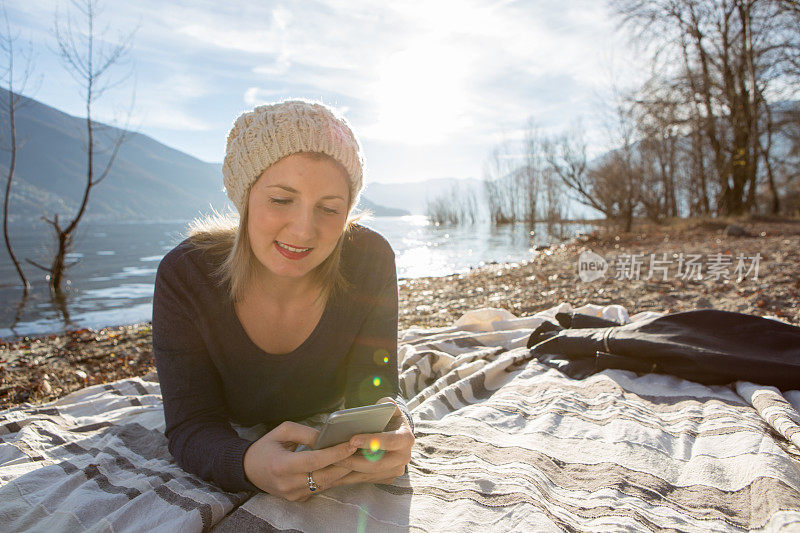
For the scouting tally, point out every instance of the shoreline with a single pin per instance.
(42, 368)
(110, 288)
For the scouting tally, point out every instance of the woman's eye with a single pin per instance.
(330, 210)
(279, 201)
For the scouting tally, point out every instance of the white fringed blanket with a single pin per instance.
(503, 443)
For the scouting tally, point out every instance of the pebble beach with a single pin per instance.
(750, 267)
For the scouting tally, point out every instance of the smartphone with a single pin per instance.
(341, 425)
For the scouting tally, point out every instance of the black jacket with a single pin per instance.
(706, 345)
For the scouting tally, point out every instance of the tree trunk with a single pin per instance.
(13, 103)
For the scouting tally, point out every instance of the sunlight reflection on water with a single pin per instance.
(112, 283)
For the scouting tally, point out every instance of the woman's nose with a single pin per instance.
(302, 225)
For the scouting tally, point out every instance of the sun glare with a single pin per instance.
(421, 94)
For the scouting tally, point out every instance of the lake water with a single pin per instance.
(112, 283)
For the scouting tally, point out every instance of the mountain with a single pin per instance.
(365, 204)
(148, 180)
(413, 196)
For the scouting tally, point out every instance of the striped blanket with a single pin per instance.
(503, 443)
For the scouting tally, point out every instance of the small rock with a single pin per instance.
(732, 230)
(703, 302)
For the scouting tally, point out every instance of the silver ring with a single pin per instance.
(312, 486)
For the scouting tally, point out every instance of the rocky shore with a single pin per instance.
(751, 267)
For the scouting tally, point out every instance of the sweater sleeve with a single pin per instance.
(200, 436)
(372, 362)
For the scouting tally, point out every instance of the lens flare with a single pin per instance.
(374, 452)
(380, 356)
(362, 520)
(372, 387)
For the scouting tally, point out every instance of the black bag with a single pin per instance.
(706, 345)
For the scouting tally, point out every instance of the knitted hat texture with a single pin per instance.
(266, 134)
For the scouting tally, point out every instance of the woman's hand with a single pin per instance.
(386, 454)
(272, 465)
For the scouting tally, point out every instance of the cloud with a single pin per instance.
(413, 71)
(162, 115)
(410, 73)
(254, 96)
(182, 85)
(168, 104)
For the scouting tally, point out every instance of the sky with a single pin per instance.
(430, 87)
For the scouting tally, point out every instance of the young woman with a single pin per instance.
(289, 311)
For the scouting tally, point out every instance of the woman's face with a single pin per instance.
(297, 211)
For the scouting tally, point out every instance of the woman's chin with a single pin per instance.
(288, 273)
(289, 268)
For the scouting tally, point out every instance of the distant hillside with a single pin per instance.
(414, 195)
(148, 181)
(364, 204)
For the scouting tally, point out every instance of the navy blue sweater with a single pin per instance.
(212, 373)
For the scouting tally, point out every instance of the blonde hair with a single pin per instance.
(224, 238)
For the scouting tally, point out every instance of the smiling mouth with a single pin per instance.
(292, 248)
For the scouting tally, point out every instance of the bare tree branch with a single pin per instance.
(37, 265)
(7, 41)
(732, 53)
(89, 62)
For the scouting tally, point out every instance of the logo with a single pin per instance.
(591, 266)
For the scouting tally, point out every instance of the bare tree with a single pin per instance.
(765, 151)
(699, 183)
(553, 203)
(624, 185)
(9, 79)
(728, 54)
(554, 197)
(89, 60)
(566, 158)
(470, 204)
(788, 24)
(455, 207)
(614, 187)
(534, 167)
(658, 127)
(439, 210)
(501, 183)
(492, 170)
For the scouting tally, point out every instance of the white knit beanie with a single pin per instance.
(266, 134)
